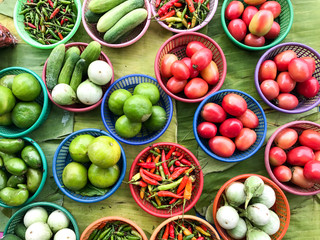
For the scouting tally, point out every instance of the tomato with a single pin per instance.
(238, 29)
(272, 6)
(254, 41)
(287, 101)
(222, 146)
(299, 156)
(309, 88)
(213, 112)
(274, 31)
(207, 130)
(268, 70)
(311, 139)
(234, 10)
(196, 88)
(166, 63)
(282, 173)
(193, 72)
(317, 155)
(299, 70)
(180, 71)
(254, 2)
(270, 89)
(201, 59)
(286, 138)
(261, 23)
(311, 63)
(176, 86)
(230, 128)
(277, 156)
(249, 119)
(245, 139)
(193, 47)
(248, 14)
(210, 73)
(283, 59)
(285, 82)
(299, 179)
(234, 104)
(311, 171)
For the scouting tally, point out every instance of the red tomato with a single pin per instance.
(285, 82)
(176, 86)
(299, 70)
(311, 171)
(234, 104)
(274, 31)
(311, 139)
(193, 72)
(261, 23)
(166, 63)
(237, 29)
(201, 59)
(282, 173)
(317, 155)
(245, 139)
(193, 47)
(286, 138)
(222, 146)
(234, 10)
(299, 179)
(230, 128)
(287, 101)
(309, 88)
(254, 2)
(196, 88)
(213, 112)
(283, 59)
(299, 156)
(277, 156)
(249, 119)
(272, 6)
(210, 73)
(270, 89)
(254, 41)
(248, 14)
(207, 130)
(180, 71)
(268, 70)
(311, 63)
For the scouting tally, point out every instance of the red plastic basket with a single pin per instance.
(177, 45)
(165, 213)
(79, 107)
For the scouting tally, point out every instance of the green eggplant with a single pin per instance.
(11, 145)
(3, 179)
(16, 166)
(31, 156)
(34, 177)
(13, 196)
(14, 180)
(5, 156)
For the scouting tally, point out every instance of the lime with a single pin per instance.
(157, 120)
(7, 100)
(74, 176)
(148, 90)
(78, 148)
(127, 129)
(137, 108)
(117, 99)
(26, 87)
(5, 119)
(25, 114)
(7, 80)
(103, 177)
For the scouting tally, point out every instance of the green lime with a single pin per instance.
(117, 99)
(148, 90)
(75, 176)
(5, 119)
(26, 87)
(157, 120)
(137, 108)
(103, 177)
(25, 114)
(127, 129)
(7, 80)
(78, 148)
(7, 100)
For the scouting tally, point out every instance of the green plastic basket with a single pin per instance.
(14, 132)
(50, 207)
(285, 20)
(19, 24)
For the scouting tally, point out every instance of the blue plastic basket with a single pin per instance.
(62, 158)
(261, 130)
(129, 82)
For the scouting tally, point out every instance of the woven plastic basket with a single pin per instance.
(281, 206)
(261, 130)
(129, 82)
(62, 158)
(285, 21)
(177, 45)
(305, 104)
(14, 132)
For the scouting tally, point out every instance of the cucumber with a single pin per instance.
(91, 53)
(111, 17)
(101, 6)
(77, 74)
(66, 72)
(71, 50)
(92, 17)
(54, 65)
(125, 24)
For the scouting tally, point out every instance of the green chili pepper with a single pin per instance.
(65, 2)
(135, 233)
(154, 203)
(38, 11)
(120, 234)
(168, 186)
(184, 12)
(53, 41)
(36, 21)
(189, 237)
(24, 11)
(104, 233)
(163, 206)
(43, 9)
(98, 234)
(53, 34)
(70, 25)
(154, 152)
(40, 40)
(94, 232)
(112, 237)
(162, 172)
(55, 3)
(132, 238)
(127, 229)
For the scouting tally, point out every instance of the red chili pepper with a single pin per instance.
(64, 20)
(164, 164)
(180, 236)
(158, 3)
(173, 200)
(200, 238)
(140, 183)
(147, 165)
(177, 173)
(171, 150)
(203, 227)
(165, 8)
(190, 6)
(31, 25)
(171, 231)
(149, 158)
(185, 162)
(169, 14)
(147, 179)
(190, 228)
(182, 184)
(178, 154)
(50, 3)
(171, 169)
(188, 190)
(166, 232)
(32, 1)
(55, 12)
(102, 225)
(27, 1)
(168, 194)
(156, 160)
(60, 35)
(178, 4)
(152, 175)
(177, 163)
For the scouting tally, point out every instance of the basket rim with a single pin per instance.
(113, 45)
(114, 187)
(209, 152)
(128, 141)
(137, 198)
(74, 109)
(216, 87)
(250, 48)
(242, 176)
(267, 164)
(256, 78)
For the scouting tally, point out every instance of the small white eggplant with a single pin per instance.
(268, 197)
(227, 217)
(63, 94)
(239, 232)
(253, 187)
(273, 225)
(89, 93)
(235, 194)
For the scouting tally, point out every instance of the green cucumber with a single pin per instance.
(77, 74)
(91, 53)
(71, 50)
(111, 17)
(66, 72)
(125, 24)
(101, 6)
(92, 17)
(54, 65)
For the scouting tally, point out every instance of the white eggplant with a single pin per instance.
(239, 232)
(273, 225)
(235, 194)
(253, 187)
(257, 213)
(227, 217)
(63, 94)
(89, 93)
(268, 197)
(254, 233)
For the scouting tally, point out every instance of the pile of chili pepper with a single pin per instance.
(49, 21)
(165, 178)
(115, 230)
(182, 14)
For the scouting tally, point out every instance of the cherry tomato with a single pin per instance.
(299, 156)
(234, 10)
(285, 82)
(222, 146)
(176, 86)
(317, 155)
(254, 2)
(249, 119)
(311, 63)
(237, 29)
(267, 71)
(309, 88)
(270, 89)
(193, 72)
(272, 6)
(299, 179)
(261, 23)
(213, 112)
(254, 41)
(248, 14)
(180, 71)
(277, 156)
(207, 130)
(210, 73)
(311, 171)
(274, 31)
(166, 63)
(193, 47)
(201, 59)
(282, 173)
(311, 139)
(287, 101)
(234, 104)
(286, 138)
(299, 70)
(230, 128)
(196, 88)
(245, 139)
(283, 59)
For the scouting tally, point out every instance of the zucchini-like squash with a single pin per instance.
(54, 65)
